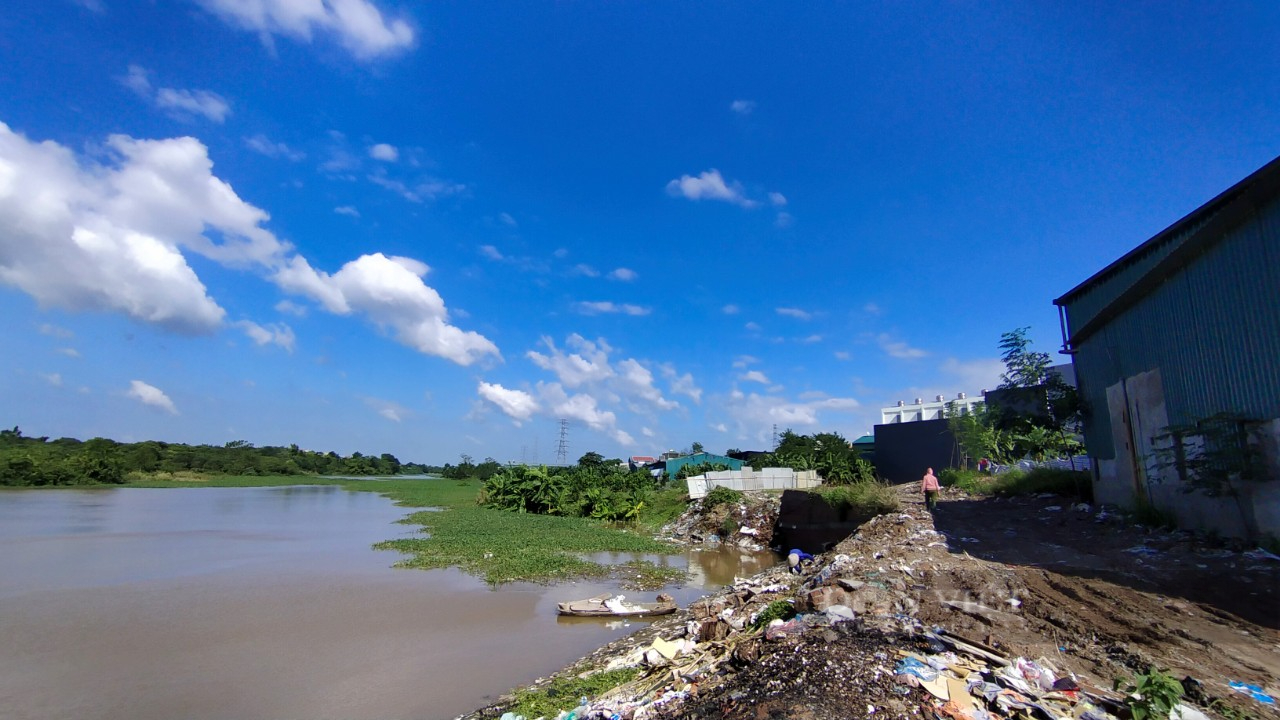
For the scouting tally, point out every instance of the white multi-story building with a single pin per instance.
(921, 410)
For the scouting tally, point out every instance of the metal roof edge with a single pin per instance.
(1265, 172)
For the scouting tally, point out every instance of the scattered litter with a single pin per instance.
(1082, 507)
(1052, 508)
(745, 530)
(1014, 602)
(1260, 554)
(970, 540)
(1142, 550)
(1252, 691)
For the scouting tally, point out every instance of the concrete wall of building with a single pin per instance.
(749, 479)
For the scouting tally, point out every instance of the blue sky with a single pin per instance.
(435, 228)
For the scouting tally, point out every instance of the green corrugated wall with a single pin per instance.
(1213, 329)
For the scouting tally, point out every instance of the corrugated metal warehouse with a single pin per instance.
(1184, 328)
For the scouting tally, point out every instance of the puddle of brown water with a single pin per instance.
(248, 604)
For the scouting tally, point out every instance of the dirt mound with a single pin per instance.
(747, 524)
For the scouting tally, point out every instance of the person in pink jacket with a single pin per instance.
(929, 485)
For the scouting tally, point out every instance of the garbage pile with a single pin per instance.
(898, 620)
(747, 524)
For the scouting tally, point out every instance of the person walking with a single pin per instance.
(929, 485)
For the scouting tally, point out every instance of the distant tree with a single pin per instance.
(696, 448)
(1024, 368)
(591, 460)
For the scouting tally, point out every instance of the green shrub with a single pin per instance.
(861, 501)
(1075, 483)
(1151, 695)
(970, 481)
(776, 610)
(721, 495)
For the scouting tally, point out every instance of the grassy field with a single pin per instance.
(492, 544)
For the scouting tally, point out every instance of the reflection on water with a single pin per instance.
(269, 602)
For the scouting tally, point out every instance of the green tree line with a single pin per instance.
(39, 461)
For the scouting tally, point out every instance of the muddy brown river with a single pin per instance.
(266, 603)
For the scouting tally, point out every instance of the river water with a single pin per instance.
(266, 603)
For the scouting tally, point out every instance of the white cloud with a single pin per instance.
(589, 363)
(606, 307)
(898, 349)
(777, 199)
(208, 105)
(743, 107)
(585, 408)
(754, 376)
(623, 274)
(730, 309)
(289, 307)
(391, 293)
(720, 427)
(104, 238)
(490, 252)
(94, 5)
(872, 309)
(811, 339)
(647, 432)
(263, 145)
(181, 104)
(151, 395)
(784, 220)
(842, 355)
(384, 152)
(392, 411)
(743, 361)
(69, 352)
(507, 220)
(425, 189)
(795, 313)
(972, 376)
(517, 404)
(55, 331)
(710, 185)
(271, 334)
(756, 414)
(348, 210)
(111, 236)
(753, 326)
(561, 253)
(54, 379)
(585, 270)
(358, 25)
(636, 380)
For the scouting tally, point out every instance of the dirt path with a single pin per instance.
(1111, 593)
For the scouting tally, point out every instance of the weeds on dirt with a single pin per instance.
(866, 499)
(721, 495)
(1074, 483)
(566, 693)
(1151, 695)
(1144, 513)
(664, 506)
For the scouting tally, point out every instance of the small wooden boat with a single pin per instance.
(617, 606)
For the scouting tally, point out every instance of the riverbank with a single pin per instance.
(497, 546)
(1065, 587)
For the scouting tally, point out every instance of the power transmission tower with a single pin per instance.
(775, 436)
(562, 448)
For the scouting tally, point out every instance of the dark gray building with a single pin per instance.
(1183, 328)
